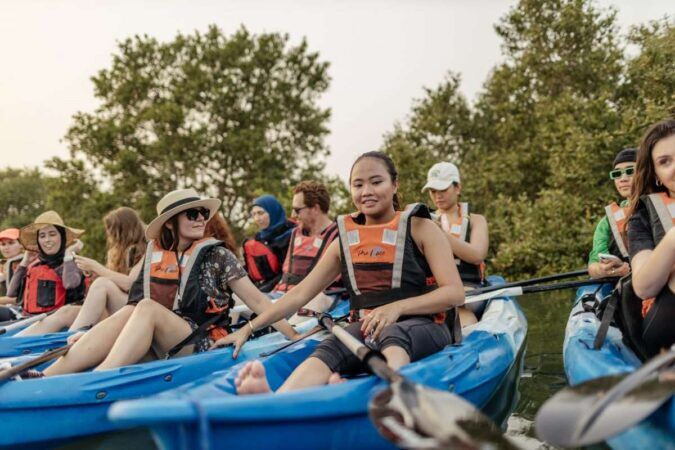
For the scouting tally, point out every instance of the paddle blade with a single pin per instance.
(560, 420)
(414, 416)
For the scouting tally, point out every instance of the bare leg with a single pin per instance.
(93, 347)
(396, 357)
(104, 297)
(150, 323)
(466, 317)
(56, 322)
(311, 372)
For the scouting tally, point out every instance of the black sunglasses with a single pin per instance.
(193, 213)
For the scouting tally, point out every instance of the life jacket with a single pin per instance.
(177, 287)
(661, 211)
(261, 264)
(9, 268)
(617, 217)
(303, 254)
(43, 290)
(461, 229)
(381, 263)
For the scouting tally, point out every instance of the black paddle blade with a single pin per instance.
(414, 416)
(560, 421)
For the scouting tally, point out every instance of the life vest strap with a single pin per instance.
(374, 299)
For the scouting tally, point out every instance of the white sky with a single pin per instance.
(382, 53)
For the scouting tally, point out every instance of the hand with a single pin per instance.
(87, 264)
(73, 338)
(75, 247)
(611, 269)
(238, 338)
(28, 256)
(380, 317)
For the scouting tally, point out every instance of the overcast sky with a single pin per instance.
(382, 54)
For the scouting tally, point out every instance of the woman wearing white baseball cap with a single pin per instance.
(185, 286)
(467, 232)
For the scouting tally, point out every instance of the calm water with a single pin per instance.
(542, 377)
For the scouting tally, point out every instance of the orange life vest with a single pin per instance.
(303, 254)
(617, 217)
(461, 229)
(177, 287)
(381, 263)
(260, 261)
(661, 210)
(44, 290)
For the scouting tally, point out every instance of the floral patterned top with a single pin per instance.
(218, 268)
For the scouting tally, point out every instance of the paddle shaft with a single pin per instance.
(47, 356)
(372, 358)
(22, 323)
(546, 279)
(474, 296)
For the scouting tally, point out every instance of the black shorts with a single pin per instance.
(657, 330)
(418, 336)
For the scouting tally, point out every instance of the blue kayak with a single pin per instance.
(45, 410)
(24, 345)
(582, 363)
(208, 413)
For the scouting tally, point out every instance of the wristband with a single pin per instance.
(251, 326)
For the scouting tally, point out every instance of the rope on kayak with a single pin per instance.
(203, 425)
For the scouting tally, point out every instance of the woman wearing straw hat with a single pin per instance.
(185, 281)
(53, 279)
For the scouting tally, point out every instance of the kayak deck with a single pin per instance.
(583, 363)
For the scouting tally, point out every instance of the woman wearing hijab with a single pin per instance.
(264, 254)
(53, 279)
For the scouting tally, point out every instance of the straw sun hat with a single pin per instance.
(175, 202)
(28, 235)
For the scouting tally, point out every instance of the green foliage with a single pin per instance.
(535, 148)
(232, 116)
(22, 196)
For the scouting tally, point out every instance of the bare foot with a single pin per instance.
(335, 378)
(252, 379)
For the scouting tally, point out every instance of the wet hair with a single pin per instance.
(644, 180)
(314, 193)
(218, 228)
(388, 164)
(125, 239)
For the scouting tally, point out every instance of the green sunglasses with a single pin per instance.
(618, 173)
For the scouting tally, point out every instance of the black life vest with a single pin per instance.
(303, 254)
(178, 288)
(461, 229)
(617, 217)
(43, 290)
(661, 210)
(381, 263)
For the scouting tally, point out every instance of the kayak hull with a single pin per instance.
(582, 363)
(207, 413)
(76, 404)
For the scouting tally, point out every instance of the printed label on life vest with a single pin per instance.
(389, 236)
(619, 215)
(298, 241)
(456, 229)
(156, 257)
(353, 237)
(317, 242)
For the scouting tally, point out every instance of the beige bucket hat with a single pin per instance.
(28, 234)
(175, 202)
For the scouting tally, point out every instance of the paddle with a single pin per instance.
(416, 416)
(47, 356)
(478, 295)
(22, 323)
(304, 336)
(593, 411)
(531, 281)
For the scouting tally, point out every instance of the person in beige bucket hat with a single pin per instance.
(50, 280)
(183, 291)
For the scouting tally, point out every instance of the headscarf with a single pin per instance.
(276, 212)
(55, 260)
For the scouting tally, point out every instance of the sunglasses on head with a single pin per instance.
(618, 173)
(193, 213)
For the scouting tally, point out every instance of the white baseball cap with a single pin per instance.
(441, 176)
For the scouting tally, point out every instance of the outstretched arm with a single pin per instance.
(475, 251)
